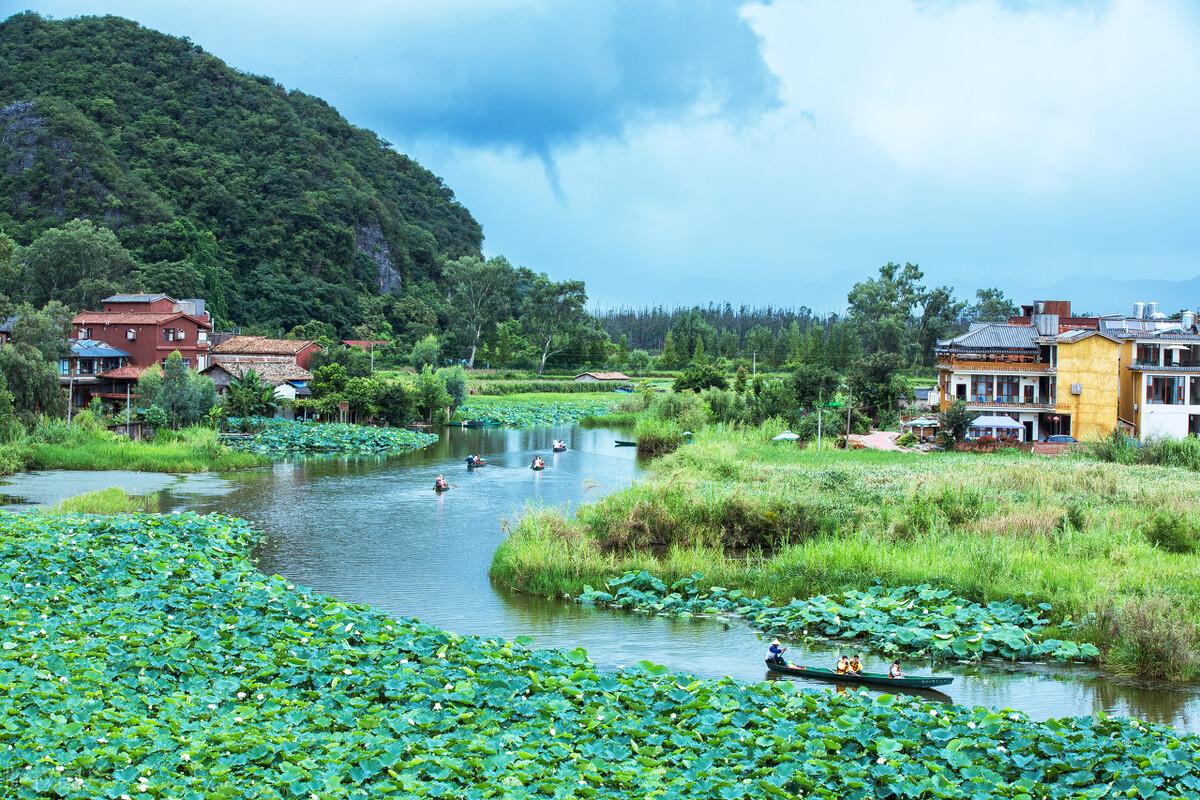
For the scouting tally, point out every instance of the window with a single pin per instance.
(187, 362)
(1147, 354)
(131, 334)
(1008, 389)
(87, 366)
(981, 388)
(201, 336)
(181, 334)
(64, 366)
(85, 333)
(169, 334)
(1167, 391)
(1194, 391)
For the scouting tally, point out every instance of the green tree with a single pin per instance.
(362, 394)
(940, 313)
(701, 376)
(478, 297)
(429, 394)
(185, 395)
(329, 380)
(637, 362)
(426, 353)
(250, 396)
(812, 383)
(78, 264)
(670, 356)
(553, 311)
(32, 381)
(882, 308)
(11, 284)
(314, 331)
(46, 331)
(455, 380)
(991, 305)
(955, 421)
(875, 383)
(698, 356)
(395, 403)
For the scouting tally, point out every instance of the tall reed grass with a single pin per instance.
(1110, 547)
(104, 501)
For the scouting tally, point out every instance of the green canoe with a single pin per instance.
(622, 443)
(864, 678)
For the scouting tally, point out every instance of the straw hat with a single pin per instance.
(775, 641)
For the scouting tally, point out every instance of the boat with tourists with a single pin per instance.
(879, 679)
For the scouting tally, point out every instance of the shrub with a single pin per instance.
(906, 439)
(698, 377)
(1153, 640)
(1171, 531)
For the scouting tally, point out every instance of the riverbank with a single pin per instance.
(1111, 548)
(253, 680)
(80, 447)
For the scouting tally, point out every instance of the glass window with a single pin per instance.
(1008, 389)
(1167, 391)
(64, 366)
(981, 388)
(1147, 354)
(169, 334)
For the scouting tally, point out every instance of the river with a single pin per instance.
(371, 530)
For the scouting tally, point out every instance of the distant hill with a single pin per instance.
(148, 134)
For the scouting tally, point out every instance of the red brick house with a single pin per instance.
(149, 327)
(260, 349)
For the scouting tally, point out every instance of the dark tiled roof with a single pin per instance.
(995, 336)
(135, 298)
(7, 323)
(272, 372)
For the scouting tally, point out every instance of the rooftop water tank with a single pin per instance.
(1139, 310)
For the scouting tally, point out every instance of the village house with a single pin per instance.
(97, 369)
(1050, 372)
(289, 380)
(1160, 381)
(149, 327)
(6, 329)
(603, 377)
(238, 349)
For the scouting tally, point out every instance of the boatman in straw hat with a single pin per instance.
(776, 653)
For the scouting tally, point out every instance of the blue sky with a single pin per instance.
(685, 151)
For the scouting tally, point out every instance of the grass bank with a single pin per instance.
(55, 445)
(1110, 547)
(103, 501)
(144, 656)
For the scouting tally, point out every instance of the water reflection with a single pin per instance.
(372, 530)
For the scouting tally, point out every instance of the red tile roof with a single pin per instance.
(261, 345)
(605, 376)
(128, 372)
(133, 318)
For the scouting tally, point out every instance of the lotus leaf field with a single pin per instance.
(143, 656)
(282, 437)
(532, 414)
(910, 620)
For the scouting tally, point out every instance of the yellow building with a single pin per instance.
(1089, 384)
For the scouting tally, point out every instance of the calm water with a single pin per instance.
(373, 531)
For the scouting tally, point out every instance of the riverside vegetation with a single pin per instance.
(282, 437)
(1112, 548)
(143, 655)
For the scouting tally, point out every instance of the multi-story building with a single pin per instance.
(1053, 373)
(1161, 376)
(97, 369)
(149, 327)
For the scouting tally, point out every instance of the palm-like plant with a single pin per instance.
(250, 396)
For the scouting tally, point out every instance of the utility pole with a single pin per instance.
(754, 363)
(820, 413)
(70, 391)
(849, 406)
(127, 411)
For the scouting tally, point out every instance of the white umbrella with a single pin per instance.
(786, 436)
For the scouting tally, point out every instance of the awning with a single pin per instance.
(786, 436)
(923, 422)
(996, 421)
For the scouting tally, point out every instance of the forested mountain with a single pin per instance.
(220, 184)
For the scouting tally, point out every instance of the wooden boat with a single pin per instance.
(440, 489)
(536, 468)
(473, 465)
(878, 679)
(622, 443)
(562, 449)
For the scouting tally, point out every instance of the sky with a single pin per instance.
(683, 151)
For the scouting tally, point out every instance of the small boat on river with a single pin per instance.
(536, 467)
(477, 464)
(440, 489)
(877, 679)
(623, 443)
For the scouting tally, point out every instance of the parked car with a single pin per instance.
(1061, 439)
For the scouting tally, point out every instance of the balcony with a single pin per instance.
(983, 402)
(1146, 366)
(1030, 368)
